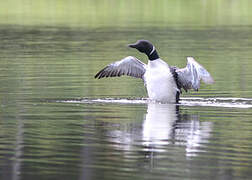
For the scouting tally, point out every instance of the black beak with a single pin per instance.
(132, 45)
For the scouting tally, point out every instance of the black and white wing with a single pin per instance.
(129, 66)
(190, 76)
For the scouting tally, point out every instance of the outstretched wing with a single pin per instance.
(129, 66)
(190, 76)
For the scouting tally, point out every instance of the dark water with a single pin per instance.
(58, 122)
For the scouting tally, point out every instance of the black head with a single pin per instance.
(146, 47)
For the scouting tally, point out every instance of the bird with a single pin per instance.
(164, 83)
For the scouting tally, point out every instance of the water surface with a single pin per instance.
(58, 122)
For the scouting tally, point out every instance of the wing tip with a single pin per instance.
(209, 80)
(98, 75)
(190, 58)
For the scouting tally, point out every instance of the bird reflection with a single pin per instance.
(158, 123)
(164, 124)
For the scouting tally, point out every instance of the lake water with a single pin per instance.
(58, 122)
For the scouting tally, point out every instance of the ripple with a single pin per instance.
(218, 102)
(227, 102)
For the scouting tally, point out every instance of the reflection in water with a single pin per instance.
(18, 150)
(195, 134)
(12, 163)
(162, 125)
(158, 124)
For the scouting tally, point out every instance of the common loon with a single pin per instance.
(163, 82)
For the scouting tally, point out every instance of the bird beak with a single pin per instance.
(132, 45)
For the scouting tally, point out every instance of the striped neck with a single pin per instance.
(153, 54)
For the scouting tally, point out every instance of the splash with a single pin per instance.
(186, 101)
(111, 100)
(218, 102)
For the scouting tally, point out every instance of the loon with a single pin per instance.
(163, 82)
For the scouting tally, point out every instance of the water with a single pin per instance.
(58, 122)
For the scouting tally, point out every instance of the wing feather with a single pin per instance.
(129, 66)
(190, 76)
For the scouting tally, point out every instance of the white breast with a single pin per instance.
(160, 83)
